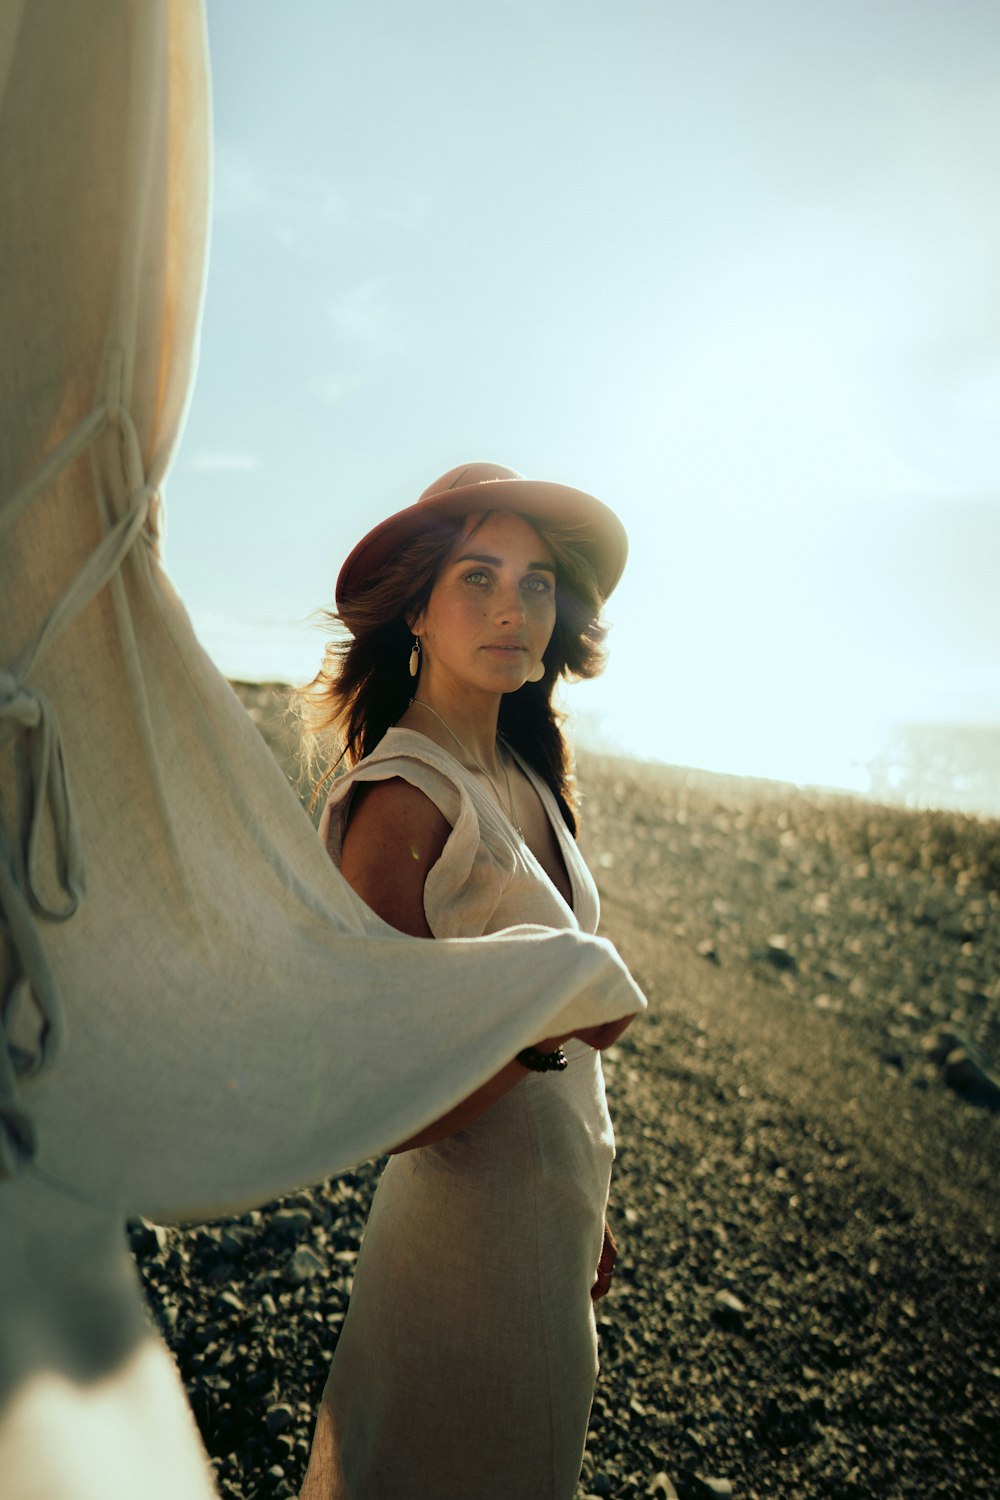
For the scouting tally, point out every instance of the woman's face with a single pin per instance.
(492, 609)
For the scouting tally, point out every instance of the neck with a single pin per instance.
(468, 721)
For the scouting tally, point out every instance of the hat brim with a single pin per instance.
(600, 534)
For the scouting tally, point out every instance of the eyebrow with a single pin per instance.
(497, 562)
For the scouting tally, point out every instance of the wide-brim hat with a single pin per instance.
(470, 488)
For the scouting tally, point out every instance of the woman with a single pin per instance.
(466, 1364)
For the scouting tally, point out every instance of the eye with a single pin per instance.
(537, 583)
(477, 578)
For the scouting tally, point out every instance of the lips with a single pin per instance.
(506, 643)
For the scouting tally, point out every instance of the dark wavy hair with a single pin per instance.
(364, 686)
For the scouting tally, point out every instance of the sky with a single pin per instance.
(730, 265)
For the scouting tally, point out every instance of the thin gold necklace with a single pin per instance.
(509, 813)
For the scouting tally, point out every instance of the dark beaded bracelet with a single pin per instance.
(543, 1062)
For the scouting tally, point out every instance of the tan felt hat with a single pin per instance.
(489, 487)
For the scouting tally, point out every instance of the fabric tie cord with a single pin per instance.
(31, 1013)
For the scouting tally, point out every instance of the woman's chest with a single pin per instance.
(542, 844)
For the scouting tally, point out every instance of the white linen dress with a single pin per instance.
(466, 1364)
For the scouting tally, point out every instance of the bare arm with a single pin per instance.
(394, 837)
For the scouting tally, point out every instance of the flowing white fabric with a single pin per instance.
(197, 1012)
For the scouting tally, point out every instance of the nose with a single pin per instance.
(509, 605)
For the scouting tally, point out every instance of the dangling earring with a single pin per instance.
(537, 672)
(415, 657)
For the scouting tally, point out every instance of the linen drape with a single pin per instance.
(197, 1012)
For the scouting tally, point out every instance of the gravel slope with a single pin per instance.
(807, 1301)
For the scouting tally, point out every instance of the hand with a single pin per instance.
(605, 1266)
(550, 1043)
(600, 1037)
(597, 1037)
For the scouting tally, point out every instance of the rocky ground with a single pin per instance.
(808, 1300)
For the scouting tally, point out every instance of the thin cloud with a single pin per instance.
(362, 317)
(222, 463)
(334, 207)
(337, 387)
(299, 207)
(237, 186)
(408, 207)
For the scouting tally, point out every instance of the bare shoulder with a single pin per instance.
(394, 810)
(394, 836)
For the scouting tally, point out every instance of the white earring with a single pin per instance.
(537, 672)
(415, 657)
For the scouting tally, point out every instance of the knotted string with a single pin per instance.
(32, 1020)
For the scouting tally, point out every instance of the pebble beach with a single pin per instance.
(807, 1303)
